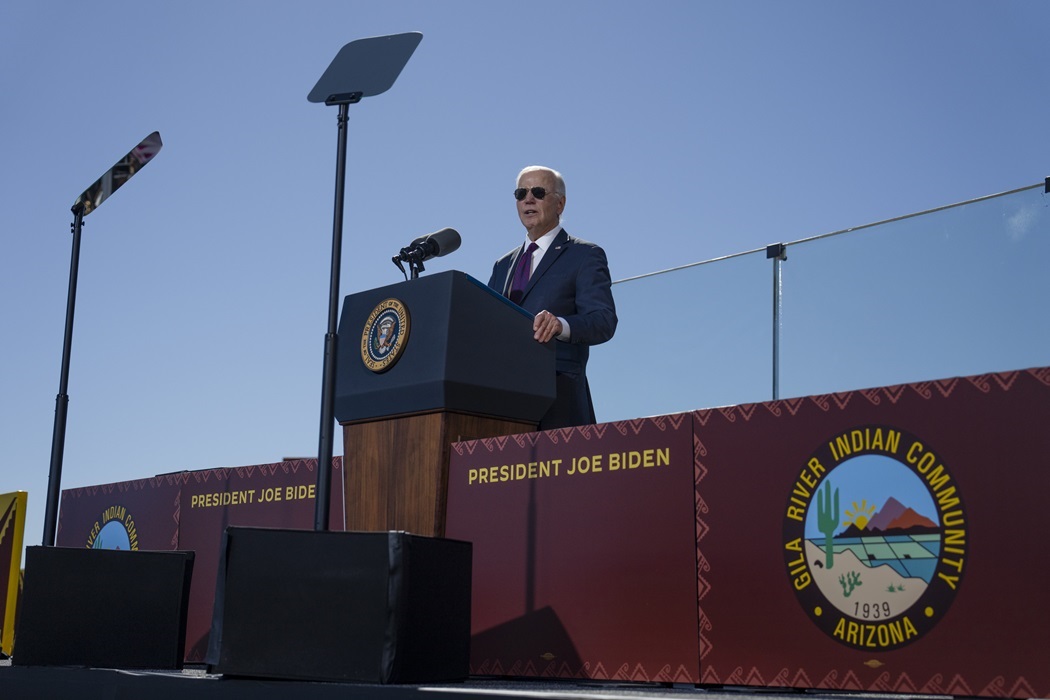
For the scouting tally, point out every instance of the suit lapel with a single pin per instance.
(557, 247)
(508, 278)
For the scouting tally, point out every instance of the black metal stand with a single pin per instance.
(322, 506)
(362, 68)
(58, 437)
(88, 201)
(415, 264)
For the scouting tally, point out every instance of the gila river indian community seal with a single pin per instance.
(875, 537)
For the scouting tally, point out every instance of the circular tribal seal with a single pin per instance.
(875, 538)
(114, 529)
(385, 335)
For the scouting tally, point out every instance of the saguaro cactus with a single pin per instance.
(828, 520)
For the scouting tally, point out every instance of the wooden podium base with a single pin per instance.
(396, 468)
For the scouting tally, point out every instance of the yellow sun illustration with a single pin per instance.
(860, 515)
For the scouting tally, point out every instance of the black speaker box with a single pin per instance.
(103, 608)
(377, 607)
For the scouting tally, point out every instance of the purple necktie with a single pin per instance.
(522, 273)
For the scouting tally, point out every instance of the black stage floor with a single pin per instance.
(29, 683)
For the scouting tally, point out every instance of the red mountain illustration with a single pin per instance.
(890, 511)
(895, 516)
(909, 519)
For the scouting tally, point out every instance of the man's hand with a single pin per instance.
(545, 326)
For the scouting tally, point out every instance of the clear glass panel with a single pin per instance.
(948, 293)
(952, 292)
(690, 338)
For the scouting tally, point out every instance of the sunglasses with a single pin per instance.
(537, 192)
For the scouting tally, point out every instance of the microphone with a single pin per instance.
(432, 245)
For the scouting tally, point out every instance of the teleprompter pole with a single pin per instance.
(58, 437)
(322, 504)
(362, 68)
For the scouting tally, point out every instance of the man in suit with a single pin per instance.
(565, 282)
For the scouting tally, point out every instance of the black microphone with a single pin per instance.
(432, 245)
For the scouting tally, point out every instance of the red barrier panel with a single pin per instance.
(139, 514)
(584, 551)
(879, 540)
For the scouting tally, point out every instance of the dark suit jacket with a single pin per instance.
(573, 282)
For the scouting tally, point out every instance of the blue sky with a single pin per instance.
(685, 131)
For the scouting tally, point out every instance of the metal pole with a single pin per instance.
(58, 437)
(778, 253)
(776, 329)
(331, 340)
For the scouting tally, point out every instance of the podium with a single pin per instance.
(420, 365)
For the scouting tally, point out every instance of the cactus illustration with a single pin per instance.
(849, 582)
(828, 520)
